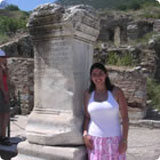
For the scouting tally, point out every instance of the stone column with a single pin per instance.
(63, 44)
(117, 36)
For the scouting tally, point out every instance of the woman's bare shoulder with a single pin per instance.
(117, 92)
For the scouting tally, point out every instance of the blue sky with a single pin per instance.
(28, 5)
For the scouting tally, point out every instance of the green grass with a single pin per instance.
(153, 92)
(126, 59)
(3, 38)
(144, 40)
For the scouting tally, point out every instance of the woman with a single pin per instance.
(4, 99)
(102, 132)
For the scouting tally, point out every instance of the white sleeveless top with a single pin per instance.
(104, 117)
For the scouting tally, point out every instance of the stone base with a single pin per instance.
(136, 113)
(27, 151)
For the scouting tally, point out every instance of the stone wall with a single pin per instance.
(137, 29)
(21, 84)
(108, 28)
(133, 84)
(20, 47)
(129, 80)
(20, 73)
(118, 28)
(156, 25)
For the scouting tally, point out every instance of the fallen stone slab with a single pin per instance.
(145, 123)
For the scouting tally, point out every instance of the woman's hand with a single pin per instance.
(88, 141)
(122, 146)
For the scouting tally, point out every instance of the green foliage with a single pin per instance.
(12, 7)
(8, 25)
(134, 5)
(137, 4)
(3, 38)
(151, 12)
(112, 4)
(153, 92)
(144, 40)
(122, 7)
(26, 14)
(125, 59)
(11, 20)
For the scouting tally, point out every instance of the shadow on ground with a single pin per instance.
(8, 152)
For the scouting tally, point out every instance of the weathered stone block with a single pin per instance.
(21, 84)
(133, 83)
(63, 44)
(41, 152)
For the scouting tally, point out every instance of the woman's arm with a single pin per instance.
(124, 115)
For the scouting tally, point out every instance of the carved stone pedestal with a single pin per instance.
(63, 46)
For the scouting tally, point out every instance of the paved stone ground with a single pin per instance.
(18, 124)
(143, 143)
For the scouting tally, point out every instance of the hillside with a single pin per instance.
(12, 20)
(111, 4)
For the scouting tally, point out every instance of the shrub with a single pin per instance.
(153, 92)
(122, 7)
(144, 40)
(135, 5)
(151, 12)
(125, 59)
(12, 7)
(3, 38)
(11, 25)
(113, 58)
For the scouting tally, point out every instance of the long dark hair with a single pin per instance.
(108, 84)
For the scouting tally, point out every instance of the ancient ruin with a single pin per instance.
(63, 44)
(116, 33)
(130, 80)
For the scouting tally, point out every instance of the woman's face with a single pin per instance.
(98, 77)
